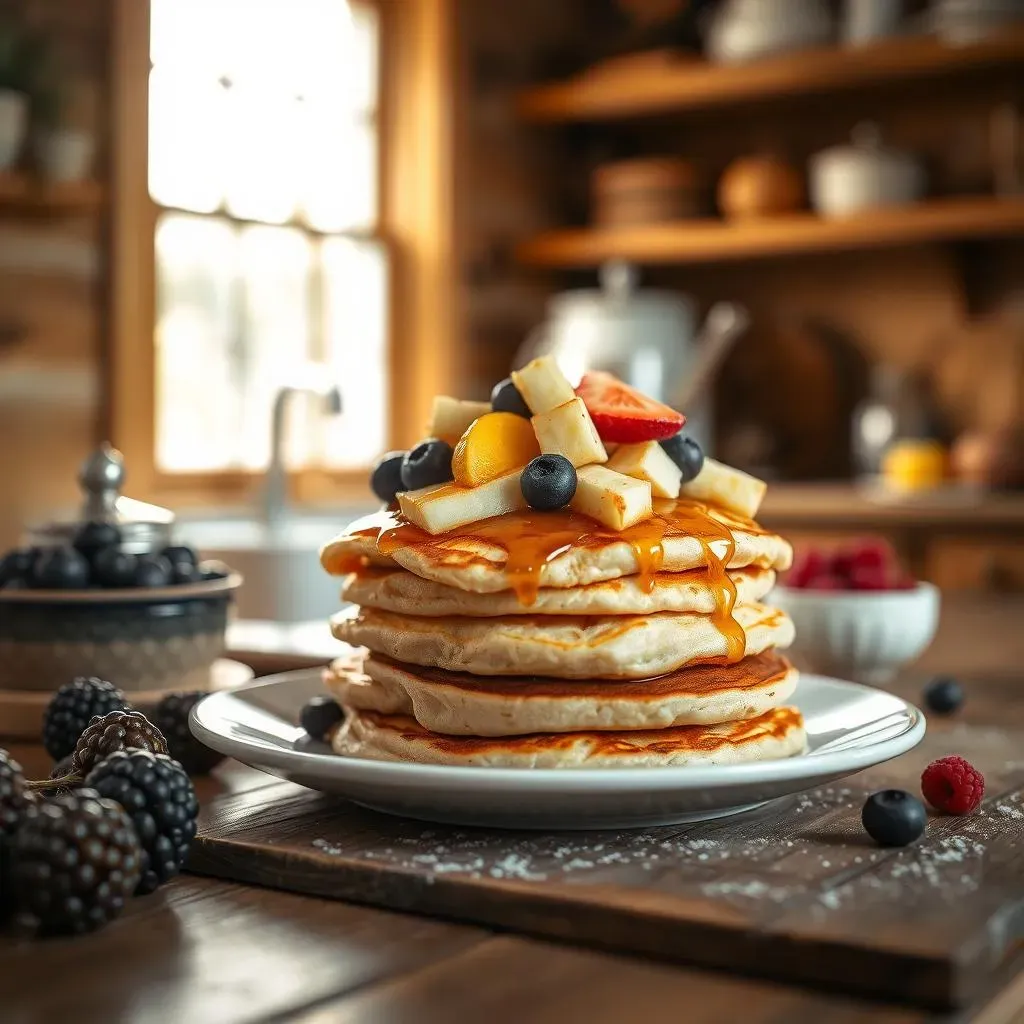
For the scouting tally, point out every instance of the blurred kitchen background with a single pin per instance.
(214, 212)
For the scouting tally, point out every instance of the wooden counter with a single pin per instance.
(212, 952)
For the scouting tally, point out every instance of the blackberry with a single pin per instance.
(13, 795)
(157, 794)
(73, 707)
(77, 859)
(319, 715)
(14, 801)
(171, 718)
(116, 730)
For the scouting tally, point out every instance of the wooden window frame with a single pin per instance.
(417, 129)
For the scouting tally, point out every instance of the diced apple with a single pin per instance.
(648, 461)
(451, 417)
(447, 506)
(731, 488)
(613, 499)
(542, 385)
(568, 430)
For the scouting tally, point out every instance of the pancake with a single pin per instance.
(776, 734)
(522, 551)
(463, 705)
(402, 592)
(566, 647)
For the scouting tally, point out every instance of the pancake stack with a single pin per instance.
(544, 639)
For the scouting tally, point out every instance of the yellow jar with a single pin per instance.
(914, 465)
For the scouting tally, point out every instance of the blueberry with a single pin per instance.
(892, 817)
(505, 397)
(430, 462)
(320, 715)
(943, 695)
(548, 482)
(213, 570)
(16, 566)
(185, 572)
(95, 535)
(686, 454)
(152, 571)
(386, 478)
(176, 553)
(60, 569)
(114, 568)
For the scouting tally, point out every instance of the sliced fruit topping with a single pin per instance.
(447, 506)
(505, 398)
(492, 445)
(386, 478)
(549, 482)
(648, 461)
(451, 417)
(615, 500)
(430, 462)
(568, 430)
(731, 488)
(543, 385)
(686, 454)
(623, 414)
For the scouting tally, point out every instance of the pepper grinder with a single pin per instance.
(144, 527)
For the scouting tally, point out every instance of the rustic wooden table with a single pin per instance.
(203, 950)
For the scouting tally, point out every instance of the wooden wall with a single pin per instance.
(51, 270)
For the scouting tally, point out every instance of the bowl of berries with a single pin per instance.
(858, 614)
(111, 594)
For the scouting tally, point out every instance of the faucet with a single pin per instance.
(275, 493)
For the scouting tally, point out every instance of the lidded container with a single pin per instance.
(647, 337)
(144, 527)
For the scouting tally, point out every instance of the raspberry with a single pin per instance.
(806, 566)
(953, 785)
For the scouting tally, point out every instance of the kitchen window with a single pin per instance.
(281, 181)
(262, 163)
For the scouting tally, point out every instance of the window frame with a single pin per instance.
(416, 129)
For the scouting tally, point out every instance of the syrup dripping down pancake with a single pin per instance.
(524, 551)
(776, 734)
(463, 705)
(404, 593)
(567, 647)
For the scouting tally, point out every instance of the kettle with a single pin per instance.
(647, 338)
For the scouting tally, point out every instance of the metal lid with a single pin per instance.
(143, 526)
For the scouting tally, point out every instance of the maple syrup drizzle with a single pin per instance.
(532, 539)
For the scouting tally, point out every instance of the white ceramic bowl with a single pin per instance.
(863, 635)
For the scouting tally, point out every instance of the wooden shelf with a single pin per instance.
(711, 241)
(21, 194)
(847, 506)
(690, 85)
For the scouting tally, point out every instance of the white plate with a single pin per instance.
(849, 727)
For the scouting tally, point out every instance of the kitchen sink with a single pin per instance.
(280, 565)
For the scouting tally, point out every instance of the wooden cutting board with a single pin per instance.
(794, 891)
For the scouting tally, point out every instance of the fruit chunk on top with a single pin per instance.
(542, 385)
(613, 499)
(448, 506)
(731, 488)
(568, 430)
(648, 461)
(494, 444)
(624, 415)
(451, 417)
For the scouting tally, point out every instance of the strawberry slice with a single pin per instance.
(622, 414)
